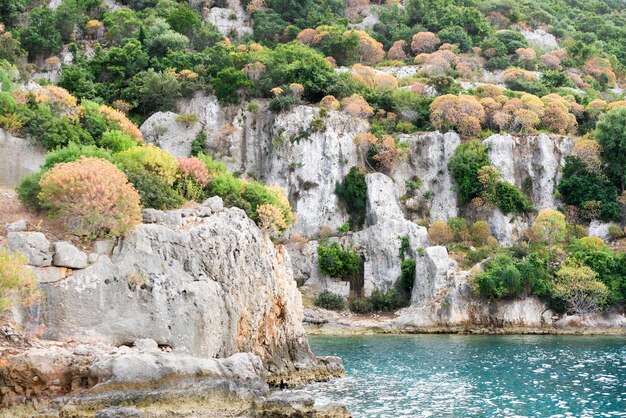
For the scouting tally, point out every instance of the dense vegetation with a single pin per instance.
(103, 71)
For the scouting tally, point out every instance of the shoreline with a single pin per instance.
(320, 322)
(317, 330)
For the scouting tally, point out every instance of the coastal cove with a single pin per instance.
(461, 375)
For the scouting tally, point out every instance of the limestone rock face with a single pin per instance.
(228, 20)
(428, 163)
(163, 130)
(67, 255)
(205, 281)
(286, 149)
(541, 39)
(378, 243)
(533, 164)
(19, 157)
(431, 274)
(33, 245)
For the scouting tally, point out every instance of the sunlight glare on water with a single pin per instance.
(477, 376)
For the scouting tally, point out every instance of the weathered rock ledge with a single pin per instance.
(79, 380)
(321, 322)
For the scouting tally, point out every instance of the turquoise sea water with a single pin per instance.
(477, 376)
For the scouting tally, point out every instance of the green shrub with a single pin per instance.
(330, 301)
(344, 228)
(154, 192)
(476, 256)
(500, 279)
(152, 159)
(611, 134)
(468, 158)
(578, 186)
(510, 199)
(282, 103)
(197, 146)
(536, 273)
(360, 305)
(460, 229)
(407, 277)
(335, 261)
(116, 141)
(604, 261)
(616, 232)
(227, 83)
(576, 285)
(73, 152)
(405, 246)
(92, 197)
(353, 193)
(248, 195)
(386, 301)
(28, 190)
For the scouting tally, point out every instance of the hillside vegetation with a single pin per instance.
(78, 79)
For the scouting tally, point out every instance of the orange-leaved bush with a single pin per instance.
(440, 233)
(125, 124)
(92, 197)
(463, 113)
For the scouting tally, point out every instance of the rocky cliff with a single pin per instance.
(308, 154)
(19, 157)
(204, 281)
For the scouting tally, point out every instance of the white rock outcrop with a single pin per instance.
(230, 21)
(67, 255)
(33, 245)
(163, 130)
(204, 281)
(541, 39)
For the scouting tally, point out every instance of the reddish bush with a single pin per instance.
(357, 106)
(193, 168)
(396, 52)
(424, 42)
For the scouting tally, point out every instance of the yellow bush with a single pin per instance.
(153, 159)
(18, 284)
(440, 233)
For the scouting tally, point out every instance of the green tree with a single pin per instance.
(41, 35)
(227, 84)
(10, 11)
(611, 134)
(464, 165)
(456, 35)
(353, 193)
(500, 279)
(578, 186)
(153, 91)
(549, 228)
(512, 40)
(122, 24)
(336, 261)
(184, 20)
(577, 286)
